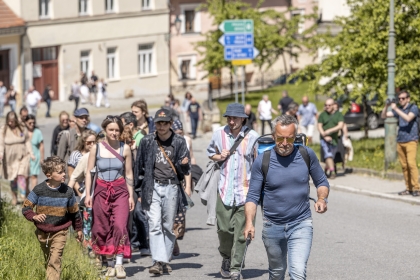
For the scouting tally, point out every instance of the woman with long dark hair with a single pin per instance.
(15, 153)
(113, 196)
(37, 141)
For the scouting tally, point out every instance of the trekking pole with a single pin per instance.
(248, 241)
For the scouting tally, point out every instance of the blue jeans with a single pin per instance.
(288, 246)
(48, 102)
(194, 125)
(12, 104)
(161, 221)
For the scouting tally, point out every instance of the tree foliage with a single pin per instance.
(274, 33)
(357, 63)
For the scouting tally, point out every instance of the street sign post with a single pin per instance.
(238, 42)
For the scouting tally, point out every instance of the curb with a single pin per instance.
(411, 200)
(380, 174)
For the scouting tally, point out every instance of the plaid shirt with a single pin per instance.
(235, 172)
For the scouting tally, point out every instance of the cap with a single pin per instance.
(177, 125)
(235, 110)
(163, 115)
(81, 112)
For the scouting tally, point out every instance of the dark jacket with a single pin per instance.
(145, 164)
(151, 125)
(54, 145)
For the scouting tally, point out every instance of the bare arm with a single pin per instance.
(336, 128)
(321, 129)
(407, 117)
(320, 205)
(129, 175)
(88, 179)
(42, 151)
(191, 151)
(385, 113)
(250, 211)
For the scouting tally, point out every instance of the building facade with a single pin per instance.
(125, 42)
(12, 29)
(187, 76)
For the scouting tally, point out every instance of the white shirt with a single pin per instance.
(32, 98)
(264, 108)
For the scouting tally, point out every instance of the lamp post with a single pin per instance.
(391, 123)
(177, 24)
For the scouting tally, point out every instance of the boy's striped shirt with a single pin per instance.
(59, 205)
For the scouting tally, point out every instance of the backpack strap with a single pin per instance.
(264, 168)
(235, 146)
(305, 156)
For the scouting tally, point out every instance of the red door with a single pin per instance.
(45, 69)
(4, 68)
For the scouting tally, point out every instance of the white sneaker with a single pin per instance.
(145, 252)
(120, 272)
(110, 272)
(126, 260)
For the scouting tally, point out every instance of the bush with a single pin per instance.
(21, 257)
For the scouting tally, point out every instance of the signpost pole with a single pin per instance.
(236, 84)
(243, 85)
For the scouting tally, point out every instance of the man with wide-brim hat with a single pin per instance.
(235, 170)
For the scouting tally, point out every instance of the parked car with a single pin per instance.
(355, 118)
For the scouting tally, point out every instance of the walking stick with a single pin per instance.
(248, 241)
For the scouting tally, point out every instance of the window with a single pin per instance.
(111, 61)
(187, 69)
(43, 54)
(84, 62)
(109, 6)
(44, 8)
(300, 13)
(190, 18)
(189, 21)
(146, 62)
(146, 4)
(83, 7)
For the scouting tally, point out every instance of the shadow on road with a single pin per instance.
(246, 273)
(186, 256)
(133, 270)
(176, 266)
(196, 228)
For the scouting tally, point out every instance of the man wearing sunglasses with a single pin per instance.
(407, 139)
(284, 193)
(330, 122)
(163, 159)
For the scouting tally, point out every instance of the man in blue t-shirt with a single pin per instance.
(287, 222)
(194, 112)
(407, 140)
(307, 113)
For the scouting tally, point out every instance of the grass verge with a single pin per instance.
(21, 256)
(370, 153)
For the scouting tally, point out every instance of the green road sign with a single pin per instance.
(237, 26)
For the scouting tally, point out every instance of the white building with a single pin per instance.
(123, 41)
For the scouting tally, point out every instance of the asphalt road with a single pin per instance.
(360, 237)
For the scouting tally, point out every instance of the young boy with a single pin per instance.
(56, 210)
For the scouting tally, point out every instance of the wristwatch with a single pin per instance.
(325, 199)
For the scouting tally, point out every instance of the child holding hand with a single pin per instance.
(56, 210)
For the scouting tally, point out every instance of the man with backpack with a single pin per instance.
(67, 139)
(407, 139)
(280, 181)
(232, 147)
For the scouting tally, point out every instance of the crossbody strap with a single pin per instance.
(117, 155)
(166, 156)
(235, 146)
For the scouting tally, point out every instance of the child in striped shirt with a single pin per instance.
(56, 210)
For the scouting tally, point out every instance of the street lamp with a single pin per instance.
(177, 24)
(391, 123)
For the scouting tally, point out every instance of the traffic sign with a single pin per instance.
(234, 53)
(246, 39)
(237, 26)
(241, 62)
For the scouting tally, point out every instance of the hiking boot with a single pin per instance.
(156, 268)
(145, 252)
(406, 192)
(110, 272)
(235, 276)
(120, 271)
(176, 250)
(167, 268)
(225, 269)
(416, 193)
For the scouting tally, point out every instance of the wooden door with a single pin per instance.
(4, 68)
(49, 75)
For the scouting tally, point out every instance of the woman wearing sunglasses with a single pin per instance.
(113, 197)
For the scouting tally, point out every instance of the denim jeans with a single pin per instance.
(48, 102)
(287, 245)
(194, 125)
(12, 104)
(161, 221)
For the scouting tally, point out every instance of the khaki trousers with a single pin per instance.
(407, 153)
(52, 245)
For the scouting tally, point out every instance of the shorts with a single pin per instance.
(329, 149)
(307, 130)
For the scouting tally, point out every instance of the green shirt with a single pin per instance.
(138, 136)
(329, 121)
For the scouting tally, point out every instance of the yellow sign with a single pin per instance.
(241, 62)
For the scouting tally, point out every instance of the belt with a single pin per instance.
(166, 182)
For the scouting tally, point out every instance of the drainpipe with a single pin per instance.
(22, 65)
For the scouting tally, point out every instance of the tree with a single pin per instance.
(357, 63)
(274, 34)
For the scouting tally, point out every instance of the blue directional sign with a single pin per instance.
(236, 53)
(238, 39)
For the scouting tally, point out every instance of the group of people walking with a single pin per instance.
(90, 90)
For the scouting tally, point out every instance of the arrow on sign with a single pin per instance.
(246, 39)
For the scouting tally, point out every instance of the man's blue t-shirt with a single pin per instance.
(407, 131)
(286, 190)
(94, 127)
(307, 113)
(193, 109)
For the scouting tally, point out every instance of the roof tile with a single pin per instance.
(8, 17)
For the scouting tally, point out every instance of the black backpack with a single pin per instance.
(266, 163)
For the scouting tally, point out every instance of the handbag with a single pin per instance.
(93, 185)
(186, 199)
(71, 97)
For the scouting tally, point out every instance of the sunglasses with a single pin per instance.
(30, 123)
(83, 117)
(90, 142)
(289, 140)
(328, 105)
(109, 117)
(64, 120)
(402, 98)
